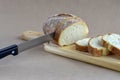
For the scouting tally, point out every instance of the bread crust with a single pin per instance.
(111, 48)
(105, 43)
(114, 50)
(94, 51)
(97, 52)
(56, 22)
(52, 23)
(81, 48)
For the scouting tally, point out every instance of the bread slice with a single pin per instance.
(96, 48)
(82, 45)
(29, 35)
(112, 42)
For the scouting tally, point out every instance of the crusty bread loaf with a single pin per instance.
(95, 47)
(67, 27)
(82, 45)
(29, 35)
(112, 42)
(55, 21)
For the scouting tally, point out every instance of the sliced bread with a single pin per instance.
(68, 28)
(95, 47)
(112, 42)
(82, 45)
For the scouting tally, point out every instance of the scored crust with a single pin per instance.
(53, 22)
(97, 51)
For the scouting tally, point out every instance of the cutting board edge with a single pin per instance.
(88, 59)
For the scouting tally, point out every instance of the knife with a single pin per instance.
(16, 49)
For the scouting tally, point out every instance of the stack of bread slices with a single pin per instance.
(101, 45)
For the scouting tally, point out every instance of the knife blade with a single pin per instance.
(16, 49)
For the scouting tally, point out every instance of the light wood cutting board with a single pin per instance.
(110, 62)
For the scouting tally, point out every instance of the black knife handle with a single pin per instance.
(10, 50)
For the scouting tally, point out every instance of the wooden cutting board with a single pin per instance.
(110, 62)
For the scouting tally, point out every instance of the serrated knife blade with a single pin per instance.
(16, 49)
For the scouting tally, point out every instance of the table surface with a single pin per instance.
(16, 16)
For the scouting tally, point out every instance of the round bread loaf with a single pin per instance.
(55, 21)
(68, 28)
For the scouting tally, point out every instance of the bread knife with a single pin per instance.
(15, 49)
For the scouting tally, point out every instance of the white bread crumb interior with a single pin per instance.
(96, 42)
(113, 39)
(83, 42)
(73, 33)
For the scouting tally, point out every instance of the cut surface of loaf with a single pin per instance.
(112, 42)
(72, 33)
(82, 45)
(95, 47)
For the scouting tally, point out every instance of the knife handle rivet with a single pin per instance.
(13, 52)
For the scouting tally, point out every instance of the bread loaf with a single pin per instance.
(67, 27)
(55, 21)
